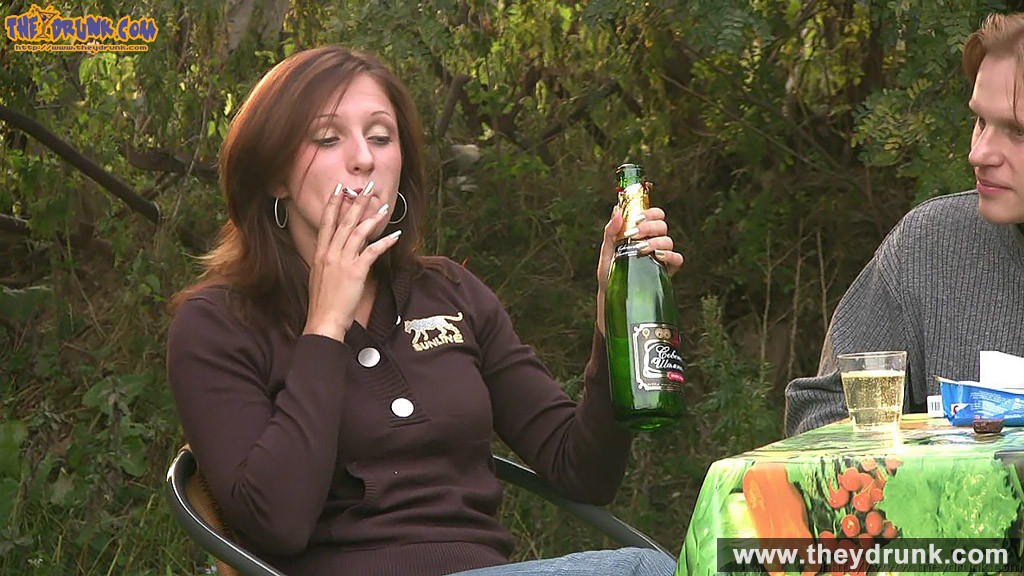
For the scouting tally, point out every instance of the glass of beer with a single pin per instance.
(873, 384)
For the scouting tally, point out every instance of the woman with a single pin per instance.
(339, 391)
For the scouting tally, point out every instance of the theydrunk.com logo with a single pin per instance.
(45, 30)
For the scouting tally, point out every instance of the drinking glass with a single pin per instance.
(873, 384)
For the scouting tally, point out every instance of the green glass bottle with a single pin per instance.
(641, 323)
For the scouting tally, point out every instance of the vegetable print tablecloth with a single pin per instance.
(927, 483)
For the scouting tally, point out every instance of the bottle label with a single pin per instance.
(657, 365)
(629, 249)
(626, 249)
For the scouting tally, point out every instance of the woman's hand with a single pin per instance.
(652, 232)
(342, 262)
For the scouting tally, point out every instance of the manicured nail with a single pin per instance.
(350, 192)
(640, 218)
(395, 234)
(383, 209)
(641, 246)
(337, 189)
(368, 188)
(659, 254)
(631, 232)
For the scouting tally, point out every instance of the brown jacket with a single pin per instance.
(373, 455)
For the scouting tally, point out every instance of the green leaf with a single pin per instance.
(711, 517)
(100, 395)
(952, 498)
(41, 476)
(10, 489)
(20, 305)
(12, 434)
(132, 457)
(130, 386)
(61, 487)
(67, 322)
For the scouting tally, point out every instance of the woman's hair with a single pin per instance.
(255, 259)
(999, 35)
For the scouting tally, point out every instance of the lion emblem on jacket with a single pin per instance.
(447, 332)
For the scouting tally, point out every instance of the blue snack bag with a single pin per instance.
(963, 402)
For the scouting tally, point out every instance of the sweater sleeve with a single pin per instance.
(269, 461)
(578, 448)
(871, 316)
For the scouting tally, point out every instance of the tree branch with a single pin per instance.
(504, 123)
(582, 112)
(454, 93)
(94, 171)
(772, 50)
(631, 104)
(468, 107)
(157, 160)
(14, 224)
(838, 175)
(164, 180)
(79, 161)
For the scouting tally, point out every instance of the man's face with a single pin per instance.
(997, 143)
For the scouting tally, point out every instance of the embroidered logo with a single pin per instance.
(447, 333)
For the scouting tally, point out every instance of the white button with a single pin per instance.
(402, 407)
(368, 357)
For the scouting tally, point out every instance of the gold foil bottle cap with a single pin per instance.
(633, 192)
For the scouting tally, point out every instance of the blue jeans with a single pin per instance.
(620, 562)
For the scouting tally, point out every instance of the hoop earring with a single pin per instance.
(277, 214)
(405, 209)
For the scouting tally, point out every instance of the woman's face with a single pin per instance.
(351, 143)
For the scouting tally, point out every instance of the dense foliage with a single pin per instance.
(784, 137)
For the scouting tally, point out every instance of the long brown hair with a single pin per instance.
(254, 258)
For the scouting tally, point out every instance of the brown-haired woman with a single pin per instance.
(339, 391)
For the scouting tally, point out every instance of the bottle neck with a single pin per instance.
(633, 200)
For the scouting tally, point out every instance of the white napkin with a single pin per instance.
(1002, 371)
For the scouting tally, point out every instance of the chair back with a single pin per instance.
(193, 506)
(197, 512)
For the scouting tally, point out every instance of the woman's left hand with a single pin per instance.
(653, 234)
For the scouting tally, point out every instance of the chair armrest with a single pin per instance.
(183, 467)
(595, 516)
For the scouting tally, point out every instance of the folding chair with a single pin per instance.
(196, 512)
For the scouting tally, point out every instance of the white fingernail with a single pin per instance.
(395, 234)
(350, 192)
(659, 254)
(383, 209)
(640, 218)
(337, 189)
(631, 232)
(641, 246)
(368, 188)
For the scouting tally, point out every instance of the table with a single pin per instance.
(839, 488)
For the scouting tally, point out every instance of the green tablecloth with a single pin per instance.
(928, 480)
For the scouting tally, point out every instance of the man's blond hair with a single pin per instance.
(999, 35)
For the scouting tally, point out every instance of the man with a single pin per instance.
(948, 280)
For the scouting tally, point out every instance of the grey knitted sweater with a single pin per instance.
(944, 285)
